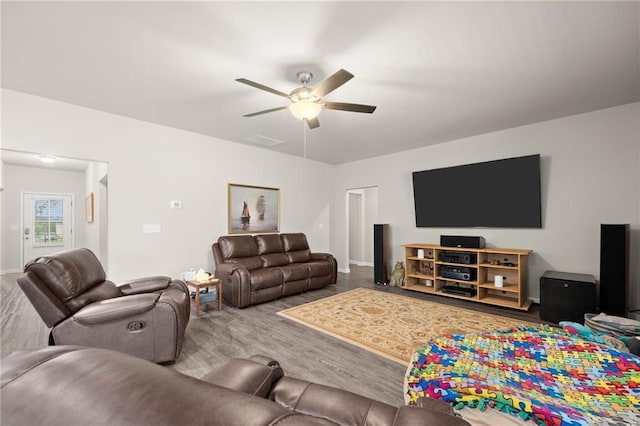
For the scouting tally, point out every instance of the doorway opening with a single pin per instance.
(361, 214)
(45, 206)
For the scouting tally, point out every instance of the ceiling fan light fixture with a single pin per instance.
(47, 159)
(305, 109)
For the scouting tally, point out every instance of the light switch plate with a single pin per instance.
(151, 228)
(175, 204)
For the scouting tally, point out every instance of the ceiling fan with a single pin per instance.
(306, 102)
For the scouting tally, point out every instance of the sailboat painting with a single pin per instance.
(253, 209)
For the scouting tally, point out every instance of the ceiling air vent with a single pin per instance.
(264, 140)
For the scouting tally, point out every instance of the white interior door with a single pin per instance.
(47, 224)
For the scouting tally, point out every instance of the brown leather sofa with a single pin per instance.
(145, 317)
(260, 268)
(67, 385)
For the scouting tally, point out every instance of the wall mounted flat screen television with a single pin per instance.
(494, 194)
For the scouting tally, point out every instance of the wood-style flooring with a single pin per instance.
(217, 335)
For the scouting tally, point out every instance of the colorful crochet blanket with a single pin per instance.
(545, 375)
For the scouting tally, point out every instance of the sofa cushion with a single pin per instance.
(297, 247)
(294, 242)
(251, 263)
(300, 256)
(271, 250)
(269, 243)
(274, 259)
(295, 272)
(237, 246)
(318, 268)
(240, 249)
(265, 278)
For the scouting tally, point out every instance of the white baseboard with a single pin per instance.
(360, 263)
(535, 300)
(344, 270)
(10, 271)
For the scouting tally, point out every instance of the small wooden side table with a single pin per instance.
(199, 285)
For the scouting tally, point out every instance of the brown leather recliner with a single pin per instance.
(87, 386)
(145, 317)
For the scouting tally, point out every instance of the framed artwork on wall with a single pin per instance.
(89, 208)
(253, 209)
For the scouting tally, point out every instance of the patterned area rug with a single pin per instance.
(390, 325)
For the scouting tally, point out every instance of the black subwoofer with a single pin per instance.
(380, 253)
(567, 297)
(614, 269)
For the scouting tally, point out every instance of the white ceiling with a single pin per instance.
(438, 71)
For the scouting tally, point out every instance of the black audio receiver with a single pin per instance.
(462, 257)
(460, 291)
(458, 273)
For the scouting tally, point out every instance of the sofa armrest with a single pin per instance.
(236, 283)
(319, 256)
(343, 407)
(115, 309)
(144, 285)
(332, 260)
(250, 376)
(226, 269)
(426, 416)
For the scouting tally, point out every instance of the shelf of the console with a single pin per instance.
(512, 288)
(491, 250)
(505, 301)
(423, 259)
(519, 252)
(460, 265)
(457, 296)
(421, 288)
(453, 280)
(489, 265)
(421, 276)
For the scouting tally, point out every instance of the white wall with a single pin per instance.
(93, 230)
(370, 201)
(590, 175)
(33, 179)
(149, 165)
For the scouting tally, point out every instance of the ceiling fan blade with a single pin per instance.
(265, 111)
(313, 122)
(350, 107)
(332, 83)
(262, 87)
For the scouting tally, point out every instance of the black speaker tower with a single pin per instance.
(380, 253)
(614, 269)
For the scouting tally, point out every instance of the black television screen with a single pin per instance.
(494, 194)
